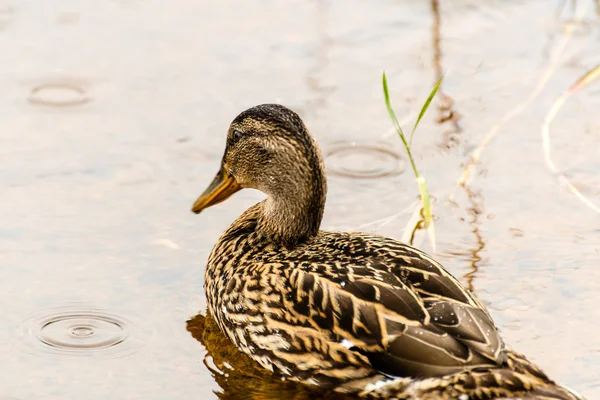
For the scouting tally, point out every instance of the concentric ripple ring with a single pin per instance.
(363, 161)
(79, 331)
(62, 93)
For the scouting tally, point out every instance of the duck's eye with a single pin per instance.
(236, 135)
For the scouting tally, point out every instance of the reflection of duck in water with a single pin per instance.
(239, 376)
(351, 312)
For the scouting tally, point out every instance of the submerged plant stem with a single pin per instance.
(582, 82)
(519, 108)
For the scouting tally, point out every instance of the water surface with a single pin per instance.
(113, 117)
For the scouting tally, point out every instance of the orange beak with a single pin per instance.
(221, 188)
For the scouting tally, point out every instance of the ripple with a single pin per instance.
(63, 93)
(79, 331)
(363, 161)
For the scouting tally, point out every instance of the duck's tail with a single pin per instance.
(549, 390)
(518, 380)
(550, 393)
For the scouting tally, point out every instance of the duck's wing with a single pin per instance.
(408, 315)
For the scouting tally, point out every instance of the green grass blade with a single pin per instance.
(390, 110)
(423, 191)
(392, 115)
(425, 107)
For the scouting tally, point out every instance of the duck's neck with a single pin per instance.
(293, 213)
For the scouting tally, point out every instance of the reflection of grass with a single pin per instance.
(423, 191)
(582, 82)
(553, 63)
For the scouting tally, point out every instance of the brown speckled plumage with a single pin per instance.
(354, 312)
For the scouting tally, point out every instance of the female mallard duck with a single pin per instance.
(354, 312)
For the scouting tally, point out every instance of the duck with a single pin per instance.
(349, 312)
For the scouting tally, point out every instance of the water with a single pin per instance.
(113, 118)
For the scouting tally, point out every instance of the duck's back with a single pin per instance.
(404, 310)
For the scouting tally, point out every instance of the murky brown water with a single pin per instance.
(113, 118)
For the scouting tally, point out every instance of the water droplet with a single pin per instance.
(363, 161)
(82, 331)
(61, 93)
(79, 331)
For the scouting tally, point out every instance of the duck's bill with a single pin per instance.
(221, 188)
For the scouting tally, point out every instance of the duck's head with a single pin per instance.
(269, 149)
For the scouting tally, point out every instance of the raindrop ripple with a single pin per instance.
(363, 161)
(79, 331)
(62, 93)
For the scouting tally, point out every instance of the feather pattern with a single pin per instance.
(348, 310)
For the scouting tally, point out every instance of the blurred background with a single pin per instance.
(113, 118)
